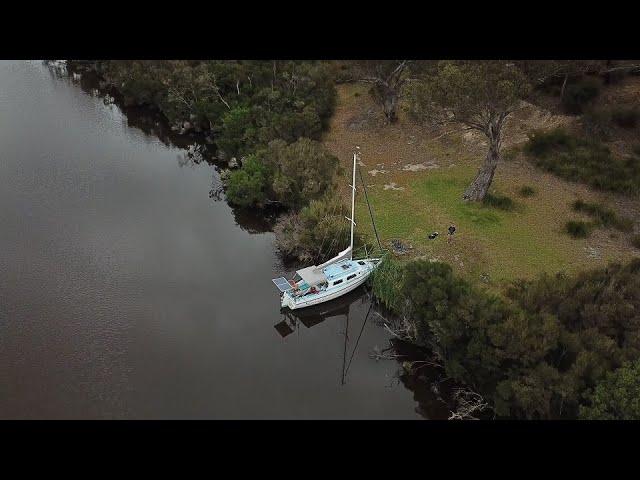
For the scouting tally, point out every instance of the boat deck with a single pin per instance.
(341, 268)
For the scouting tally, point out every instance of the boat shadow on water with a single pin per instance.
(317, 314)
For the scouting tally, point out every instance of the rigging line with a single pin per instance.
(344, 355)
(364, 187)
(359, 335)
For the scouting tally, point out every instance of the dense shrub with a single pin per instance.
(527, 191)
(303, 170)
(578, 228)
(283, 99)
(587, 161)
(600, 122)
(597, 123)
(501, 202)
(289, 174)
(596, 316)
(635, 241)
(537, 352)
(542, 143)
(315, 233)
(578, 95)
(249, 185)
(616, 397)
(603, 215)
(626, 116)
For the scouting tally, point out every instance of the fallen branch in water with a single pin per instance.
(468, 404)
(423, 363)
(378, 354)
(391, 331)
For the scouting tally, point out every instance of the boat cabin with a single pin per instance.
(312, 280)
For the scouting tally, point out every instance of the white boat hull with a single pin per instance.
(300, 302)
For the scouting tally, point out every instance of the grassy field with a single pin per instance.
(415, 179)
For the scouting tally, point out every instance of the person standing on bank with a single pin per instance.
(452, 229)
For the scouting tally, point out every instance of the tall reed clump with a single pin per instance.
(387, 281)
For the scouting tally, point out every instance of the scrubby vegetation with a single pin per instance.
(587, 161)
(245, 103)
(597, 123)
(616, 397)
(540, 350)
(578, 228)
(527, 191)
(501, 202)
(626, 116)
(288, 174)
(580, 94)
(603, 216)
(315, 233)
(601, 122)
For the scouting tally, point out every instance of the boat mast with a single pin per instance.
(353, 199)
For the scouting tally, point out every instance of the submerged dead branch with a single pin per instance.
(468, 404)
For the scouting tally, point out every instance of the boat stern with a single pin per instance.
(287, 300)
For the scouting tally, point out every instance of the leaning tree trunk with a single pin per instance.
(480, 185)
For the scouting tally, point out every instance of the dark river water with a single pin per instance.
(127, 291)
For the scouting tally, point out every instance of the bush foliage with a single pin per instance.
(604, 216)
(587, 161)
(316, 233)
(501, 202)
(626, 116)
(616, 397)
(537, 352)
(527, 191)
(247, 103)
(288, 174)
(578, 228)
(578, 95)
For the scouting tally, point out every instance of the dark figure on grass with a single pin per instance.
(452, 230)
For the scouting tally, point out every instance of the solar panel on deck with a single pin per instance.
(282, 284)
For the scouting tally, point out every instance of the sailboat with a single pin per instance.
(340, 275)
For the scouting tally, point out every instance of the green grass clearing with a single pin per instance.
(503, 244)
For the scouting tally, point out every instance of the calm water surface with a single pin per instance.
(126, 291)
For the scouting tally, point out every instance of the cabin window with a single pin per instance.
(345, 267)
(337, 282)
(361, 262)
(351, 276)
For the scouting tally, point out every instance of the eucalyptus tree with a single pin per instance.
(387, 79)
(479, 95)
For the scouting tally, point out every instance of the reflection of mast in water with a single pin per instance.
(344, 354)
(315, 315)
(355, 347)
